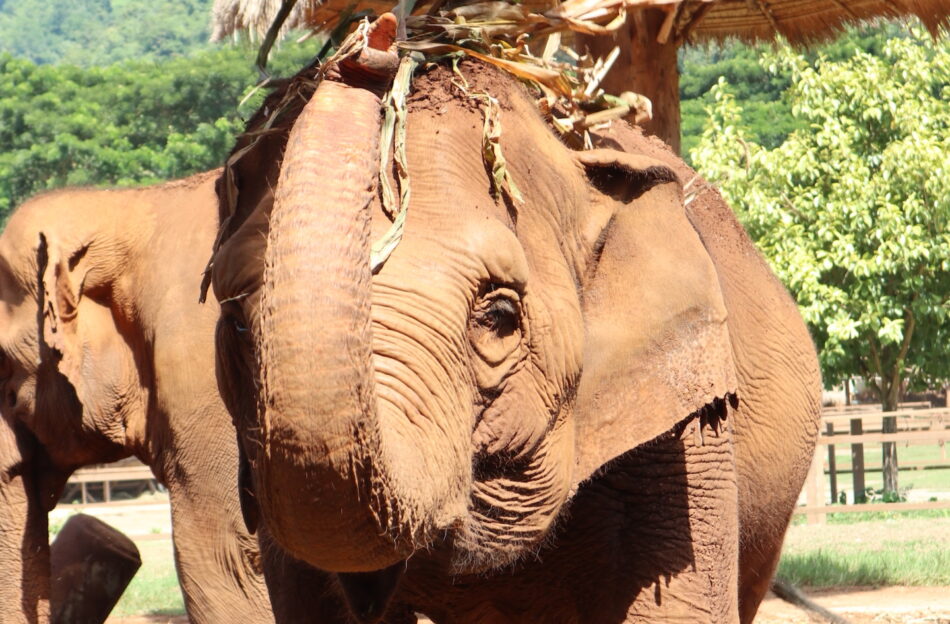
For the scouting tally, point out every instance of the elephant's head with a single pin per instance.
(68, 379)
(455, 399)
(68, 389)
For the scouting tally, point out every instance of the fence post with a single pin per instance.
(832, 474)
(857, 463)
(815, 488)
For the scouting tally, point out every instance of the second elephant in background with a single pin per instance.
(105, 352)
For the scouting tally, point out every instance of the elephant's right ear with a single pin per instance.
(656, 349)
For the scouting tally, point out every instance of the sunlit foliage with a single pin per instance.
(853, 209)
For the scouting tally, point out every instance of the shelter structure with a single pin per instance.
(648, 32)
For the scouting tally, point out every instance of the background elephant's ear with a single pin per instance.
(78, 322)
(59, 292)
(656, 345)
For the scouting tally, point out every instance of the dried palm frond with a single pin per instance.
(799, 21)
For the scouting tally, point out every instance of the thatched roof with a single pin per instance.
(798, 20)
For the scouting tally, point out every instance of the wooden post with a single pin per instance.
(857, 463)
(815, 487)
(832, 476)
(644, 66)
(889, 466)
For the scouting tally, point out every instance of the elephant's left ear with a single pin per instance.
(60, 291)
(657, 350)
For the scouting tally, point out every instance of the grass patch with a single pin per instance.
(154, 589)
(873, 516)
(893, 563)
(857, 517)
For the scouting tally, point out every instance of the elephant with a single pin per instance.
(590, 403)
(106, 353)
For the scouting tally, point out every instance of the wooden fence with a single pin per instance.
(123, 471)
(859, 426)
(854, 425)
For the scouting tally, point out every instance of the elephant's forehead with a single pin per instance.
(444, 153)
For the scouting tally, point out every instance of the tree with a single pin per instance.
(853, 209)
(130, 123)
(100, 32)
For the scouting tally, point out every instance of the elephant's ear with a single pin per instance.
(656, 349)
(82, 337)
(60, 290)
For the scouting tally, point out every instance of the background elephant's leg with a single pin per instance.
(24, 538)
(299, 592)
(92, 564)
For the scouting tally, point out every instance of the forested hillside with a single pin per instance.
(120, 92)
(100, 32)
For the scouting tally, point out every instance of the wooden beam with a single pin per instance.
(664, 35)
(901, 436)
(844, 7)
(767, 12)
(683, 30)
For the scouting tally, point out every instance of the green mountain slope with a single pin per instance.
(101, 32)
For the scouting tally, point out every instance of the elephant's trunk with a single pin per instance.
(24, 541)
(324, 481)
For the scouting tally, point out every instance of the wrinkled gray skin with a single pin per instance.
(595, 406)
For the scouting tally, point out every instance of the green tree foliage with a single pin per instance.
(766, 114)
(100, 32)
(131, 123)
(853, 208)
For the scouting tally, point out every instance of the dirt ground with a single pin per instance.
(862, 605)
(887, 605)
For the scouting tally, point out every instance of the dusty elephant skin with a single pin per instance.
(105, 353)
(594, 406)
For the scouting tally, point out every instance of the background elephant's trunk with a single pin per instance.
(323, 479)
(24, 541)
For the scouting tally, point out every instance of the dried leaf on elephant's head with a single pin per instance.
(554, 80)
(501, 179)
(393, 134)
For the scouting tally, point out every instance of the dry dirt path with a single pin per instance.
(862, 605)
(887, 605)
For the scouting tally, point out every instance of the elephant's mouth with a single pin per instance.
(368, 593)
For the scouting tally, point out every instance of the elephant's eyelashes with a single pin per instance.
(235, 317)
(6, 372)
(503, 317)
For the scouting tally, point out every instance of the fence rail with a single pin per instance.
(917, 424)
(123, 471)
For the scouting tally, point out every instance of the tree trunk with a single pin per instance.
(644, 66)
(92, 564)
(889, 449)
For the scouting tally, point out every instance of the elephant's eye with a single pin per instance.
(503, 316)
(233, 314)
(495, 328)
